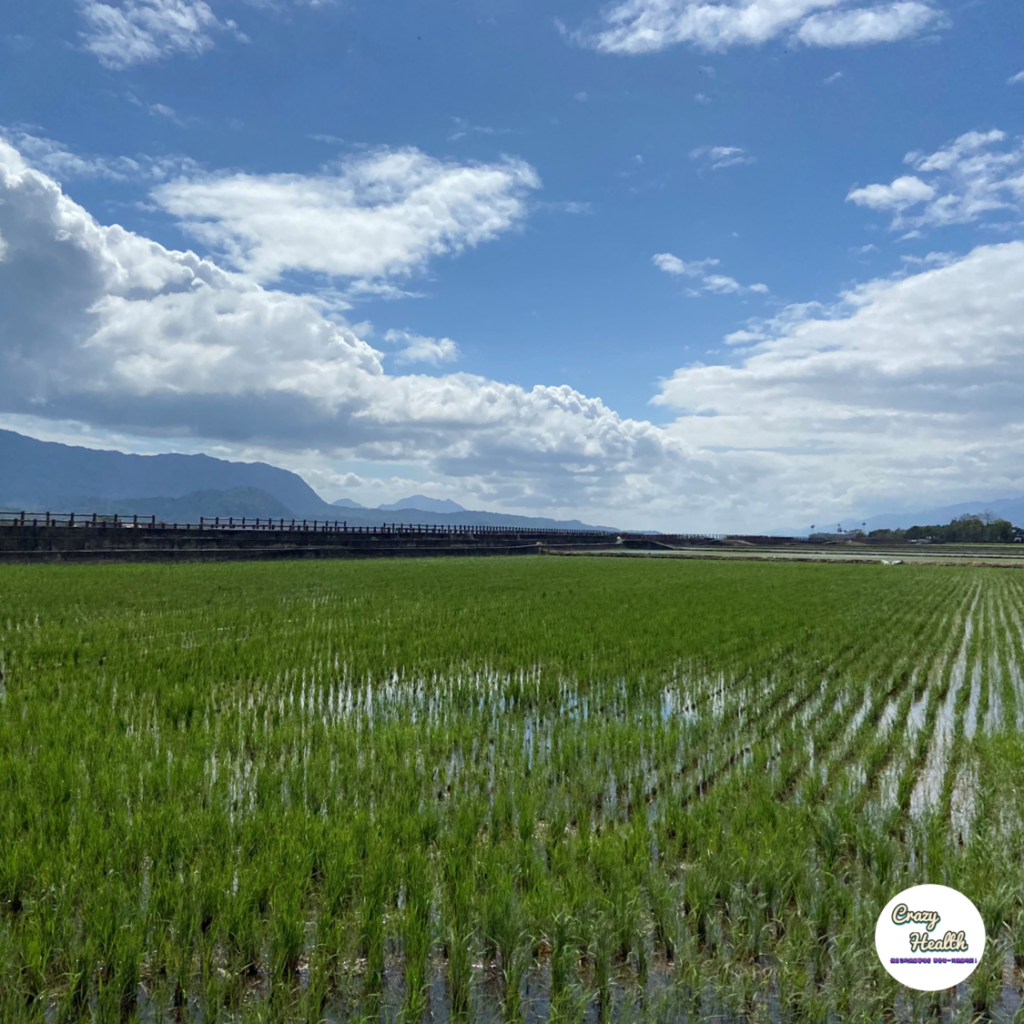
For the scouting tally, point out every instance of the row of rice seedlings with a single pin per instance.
(801, 708)
(887, 660)
(894, 761)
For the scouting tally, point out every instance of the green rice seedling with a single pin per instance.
(700, 887)
(371, 928)
(601, 953)
(416, 933)
(987, 980)
(562, 949)
(457, 939)
(288, 933)
(664, 901)
(508, 935)
(73, 1004)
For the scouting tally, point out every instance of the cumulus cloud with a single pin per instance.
(714, 158)
(646, 26)
(376, 215)
(704, 275)
(903, 192)
(908, 392)
(105, 327)
(143, 31)
(958, 184)
(418, 349)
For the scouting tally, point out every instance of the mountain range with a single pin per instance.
(42, 476)
(45, 476)
(418, 501)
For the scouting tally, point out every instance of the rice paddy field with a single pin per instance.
(528, 789)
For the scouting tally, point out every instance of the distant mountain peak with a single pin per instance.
(45, 476)
(422, 503)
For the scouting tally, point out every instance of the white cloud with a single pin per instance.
(377, 215)
(716, 157)
(903, 192)
(958, 184)
(646, 26)
(57, 160)
(418, 349)
(703, 272)
(907, 393)
(834, 78)
(162, 110)
(465, 127)
(1016, 79)
(860, 27)
(143, 31)
(104, 327)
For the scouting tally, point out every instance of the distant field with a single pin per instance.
(501, 789)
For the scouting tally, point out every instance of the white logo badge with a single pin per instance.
(930, 937)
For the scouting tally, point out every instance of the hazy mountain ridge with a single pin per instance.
(424, 504)
(416, 501)
(238, 502)
(1011, 509)
(46, 476)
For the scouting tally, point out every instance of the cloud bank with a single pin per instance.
(910, 389)
(907, 393)
(100, 325)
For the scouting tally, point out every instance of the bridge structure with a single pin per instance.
(76, 537)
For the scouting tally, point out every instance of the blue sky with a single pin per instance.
(684, 264)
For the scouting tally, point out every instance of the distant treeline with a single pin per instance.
(966, 529)
(985, 528)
